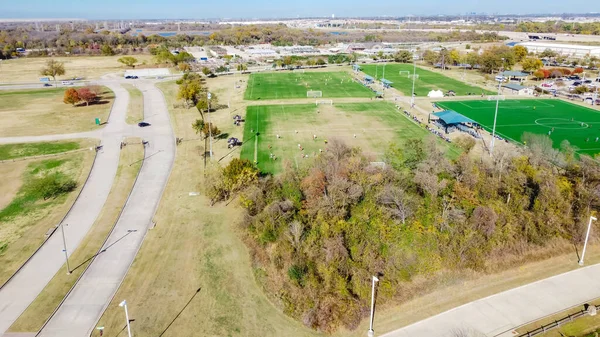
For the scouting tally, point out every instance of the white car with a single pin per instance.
(67, 83)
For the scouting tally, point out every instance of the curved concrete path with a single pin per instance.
(83, 307)
(31, 279)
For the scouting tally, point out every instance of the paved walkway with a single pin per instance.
(499, 314)
(30, 280)
(92, 294)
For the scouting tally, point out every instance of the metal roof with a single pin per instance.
(384, 81)
(514, 86)
(452, 117)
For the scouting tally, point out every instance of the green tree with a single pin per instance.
(107, 50)
(206, 70)
(520, 52)
(242, 67)
(403, 56)
(531, 64)
(129, 61)
(539, 74)
(320, 62)
(53, 68)
(198, 126)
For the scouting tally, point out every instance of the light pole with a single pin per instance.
(124, 305)
(412, 94)
(371, 332)
(587, 235)
(62, 229)
(208, 96)
(496, 113)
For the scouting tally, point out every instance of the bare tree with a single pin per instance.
(397, 201)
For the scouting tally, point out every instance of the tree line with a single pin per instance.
(317, 234)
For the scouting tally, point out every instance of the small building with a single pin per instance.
(369, 79)
(386, 83)
(515, 75)
(517, 89)
(356, 67)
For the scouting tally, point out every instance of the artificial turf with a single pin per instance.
(558, 119)
(371, 126)
(281, 85)
(426, 82)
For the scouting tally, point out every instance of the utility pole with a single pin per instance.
(124, 305)
(62, 228)
(587, 235)
(412, 94)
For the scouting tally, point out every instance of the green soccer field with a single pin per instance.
(426, 81)
(579, 125)
(283, 85)
(370, 126)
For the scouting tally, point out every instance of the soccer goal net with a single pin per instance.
(314, 93)
(415, 76)
(496, 97)
(402, 72)
(324, 101)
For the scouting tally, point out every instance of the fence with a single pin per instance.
(557, 323)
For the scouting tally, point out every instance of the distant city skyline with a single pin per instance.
(186, 9)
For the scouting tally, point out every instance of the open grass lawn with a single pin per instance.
(42, 111)
(195, 246)
(13, 151)
(135, 110)
(27, 69)
(426, 82)
(577, 124)
(26, 218)
(280, 85)
(370, 126)
(42, 307)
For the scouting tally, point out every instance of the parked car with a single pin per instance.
(47, 84)
(574, 77)
(587, 81)
(67, 83)
(143, 124)
(577, 83)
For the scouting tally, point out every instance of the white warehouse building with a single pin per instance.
(563, 49)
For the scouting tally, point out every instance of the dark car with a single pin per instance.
(574, 77)
(143, 124)
(577, 83)
(47, 84)
(587, 81)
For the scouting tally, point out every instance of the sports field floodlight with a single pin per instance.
(412, 94)
(371, 332)
(496, 113)
(587, 235)
(124, 305)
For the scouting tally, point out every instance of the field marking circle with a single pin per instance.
(548, 122)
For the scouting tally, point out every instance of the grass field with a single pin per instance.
(135, 110)
(426, 82)
(281, 85)
(370, 126)
(25, 219)
(577, 124)
(13, 151)
(42, 112)
(87, 67)
(42, 307)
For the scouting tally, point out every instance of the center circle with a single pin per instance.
(561, 123)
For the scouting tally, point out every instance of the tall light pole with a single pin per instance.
(587, 235)
(124, 305)
(496, 113)
(412, 94)
(208, 96)
(62, 229)
(371, 332)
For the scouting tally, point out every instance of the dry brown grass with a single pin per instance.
(11, 173)
(43, 112)
(26, 232)
(86, 67)
(135, 110)
(48, 300)
(195, 246)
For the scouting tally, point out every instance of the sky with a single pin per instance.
(198, 9)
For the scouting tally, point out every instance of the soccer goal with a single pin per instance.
(314, 93)
(402, 72)
(415, 76)
(324, 101)
(496, 97)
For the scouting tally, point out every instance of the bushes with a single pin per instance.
(52, 185)
(320, 233)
